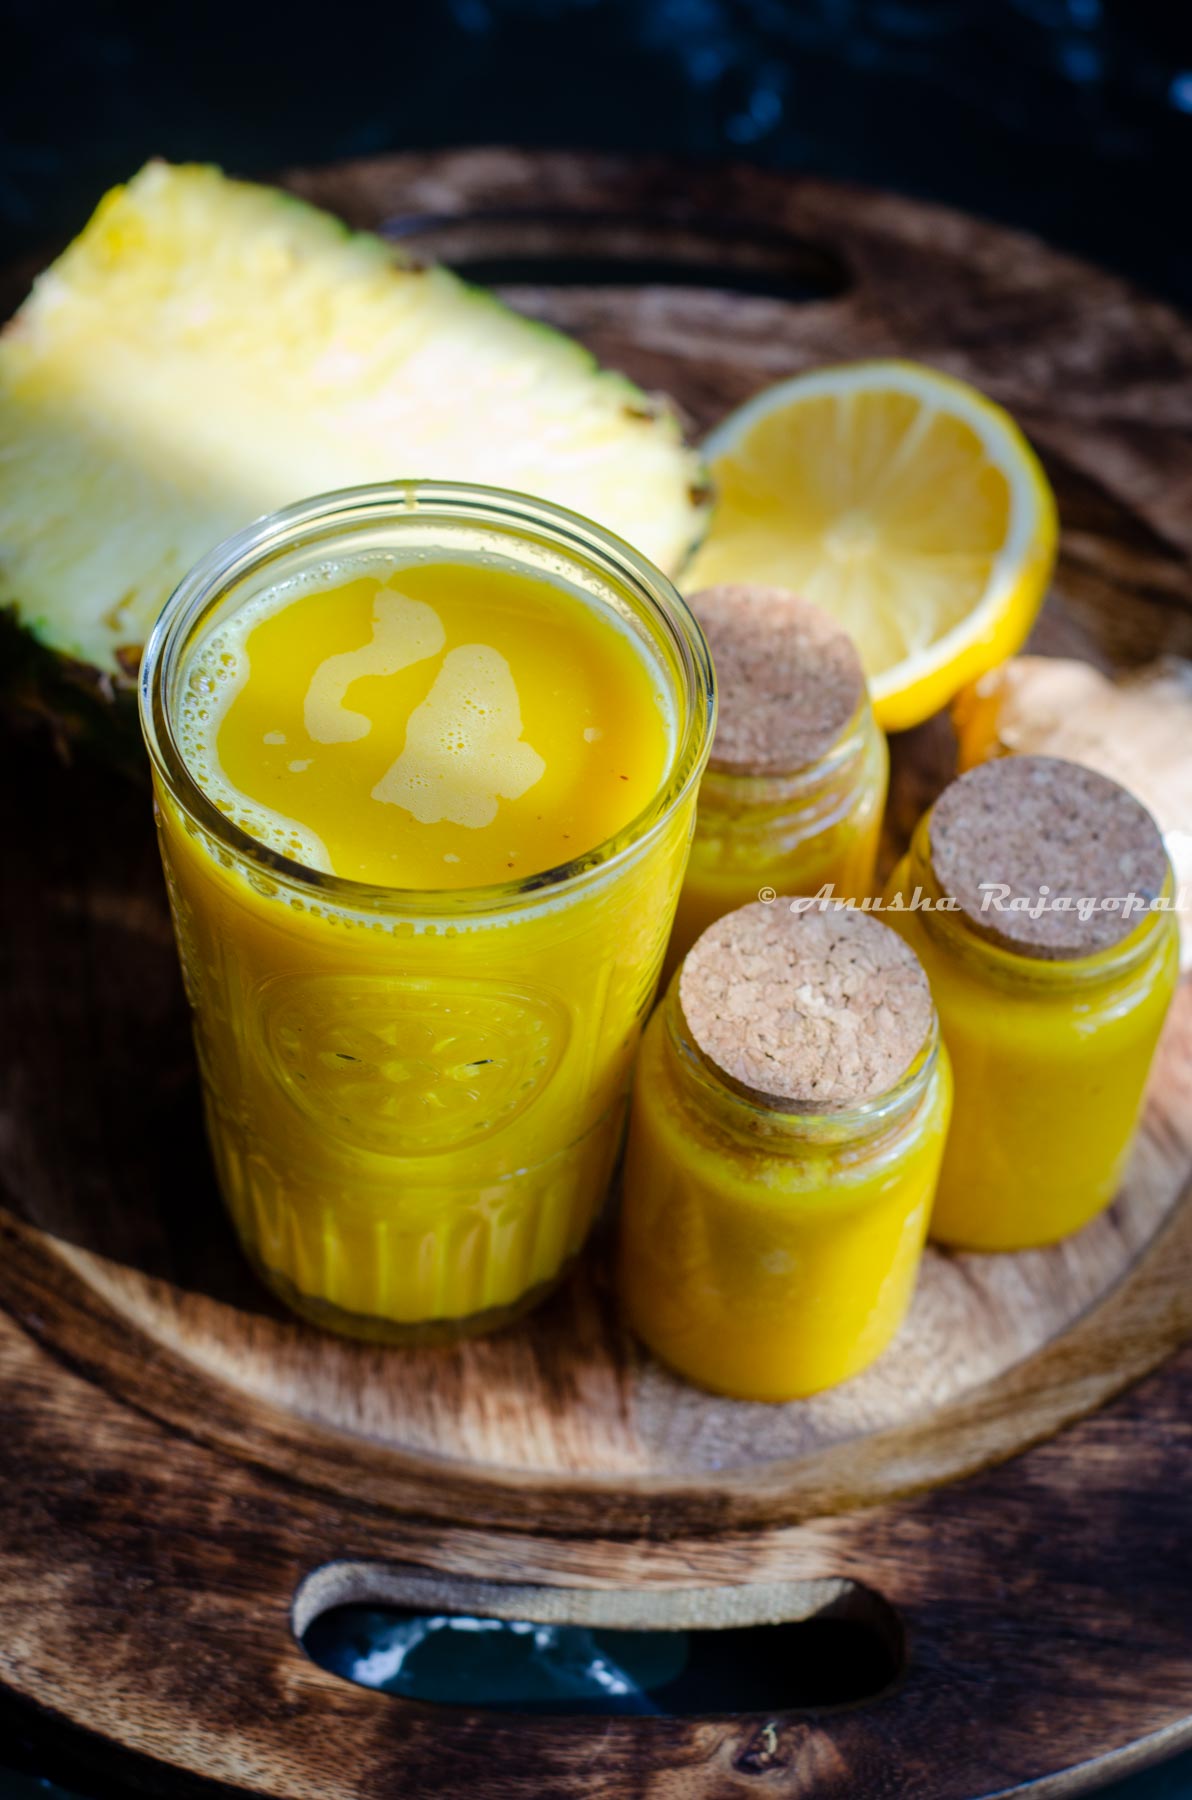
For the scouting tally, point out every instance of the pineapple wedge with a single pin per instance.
(209, 349)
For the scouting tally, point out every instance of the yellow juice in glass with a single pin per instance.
(769, 1248)
(795, 788)
(425, 767)
(1051, 1020)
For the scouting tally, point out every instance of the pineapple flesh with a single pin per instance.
(208, 350)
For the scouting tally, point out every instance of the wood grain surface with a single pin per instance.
(183, 1458)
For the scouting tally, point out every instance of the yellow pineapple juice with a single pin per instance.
(425, 763)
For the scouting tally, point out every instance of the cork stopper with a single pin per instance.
(789, 679)
(811, 1011)
(1036, 822)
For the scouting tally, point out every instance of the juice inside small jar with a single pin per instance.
(415, 1089)
(439, 726)
(793, 796)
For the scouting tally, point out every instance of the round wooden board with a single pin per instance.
(183, 1456)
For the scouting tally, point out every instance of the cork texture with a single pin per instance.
(811, 1011)
(789, 679)
(1047, 830)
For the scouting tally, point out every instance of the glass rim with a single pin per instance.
(267, 539)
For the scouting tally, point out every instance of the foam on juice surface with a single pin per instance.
(403, 632)
(426, 726)
(218, 670)
(464, 751)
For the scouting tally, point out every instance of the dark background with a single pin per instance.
(1072, 118)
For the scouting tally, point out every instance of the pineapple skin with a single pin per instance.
(207, 350)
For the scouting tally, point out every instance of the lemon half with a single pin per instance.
(901, 501)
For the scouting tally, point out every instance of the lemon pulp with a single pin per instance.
(902, 502)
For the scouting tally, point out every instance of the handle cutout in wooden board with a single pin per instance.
(582, 249)
(444, 1640)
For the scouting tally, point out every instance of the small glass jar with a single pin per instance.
(415, 1099)
(1052, 1021)
(795, 789)
(770, 1243)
